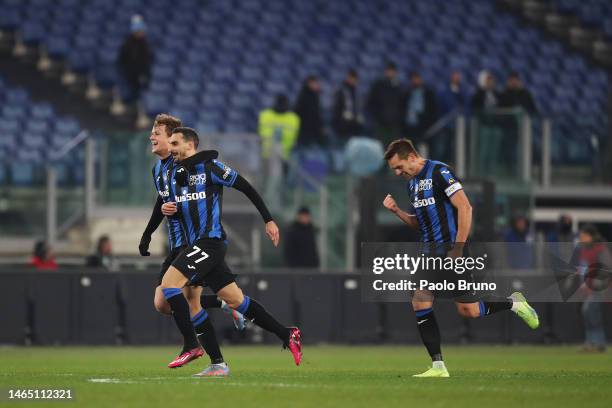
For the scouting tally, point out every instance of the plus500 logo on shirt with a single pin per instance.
(424, 202)
(190, 197)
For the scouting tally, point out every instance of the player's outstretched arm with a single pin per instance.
(154, 221)
(409, 219)
(242, 185)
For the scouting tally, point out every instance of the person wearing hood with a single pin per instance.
(135, 59)
(384, 104)
(301, 248)
(347, 116)
(278, 125)
(486, 97)
(308, 108)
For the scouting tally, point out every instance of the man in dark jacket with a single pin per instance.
(516, 95)
(453, 96)
(300, 245)
(384, 106)
(136, 59)
(308, 108)
(418, 108)
(347, 117)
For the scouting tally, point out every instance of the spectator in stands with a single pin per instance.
(486, 97)
(135, 60)
(516, 95)
(562, 231)
(43, 257)
(593, 261)
(453, 96)
(300, 245)
(418, 108)
(384, 104)
(103, 257)
(308, 108)
(347, 116)
(278, 125)
(518, 235)
(490, 158)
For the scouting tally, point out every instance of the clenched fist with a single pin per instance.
(390, 204)
(169, 208)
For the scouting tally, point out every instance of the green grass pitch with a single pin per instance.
(330, 376)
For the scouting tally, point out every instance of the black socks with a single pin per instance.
(252, 310)
(210, 302)
(494, 304)
(180, 313)
(430, 332)
(207, 336)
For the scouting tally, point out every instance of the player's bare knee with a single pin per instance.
(469, 312)
(420, 305)
(162, 306)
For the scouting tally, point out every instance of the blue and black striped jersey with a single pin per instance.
(161, 177)
(198, 194)
(430, 193)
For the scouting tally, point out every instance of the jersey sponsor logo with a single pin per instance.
(197, 179)
(424, 202)
(453, 188)
(190, 197)
(227, 172)
(424, 185)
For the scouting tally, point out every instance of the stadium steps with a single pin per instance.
(588, 39)
(23, 73)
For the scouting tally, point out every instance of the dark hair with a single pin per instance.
(101, 241)
(414, 74)
(514, 75)
(169, 121)
(281, 103)
(591, 230)
(401, 147)
(40, 249)
(304, 210)
(352, 72)
(189, 135)
(390, 65)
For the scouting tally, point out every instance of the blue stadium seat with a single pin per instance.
(57, 46)
(42, 111)
(155, 103)
(14, 112)
(67, 126)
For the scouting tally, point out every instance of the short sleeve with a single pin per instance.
(446, 179)
(222, 174)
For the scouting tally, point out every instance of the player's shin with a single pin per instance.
(255, 312)
(494, 304)
(210, 302)
(180, 313)
(430, 332)
(207, 336)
